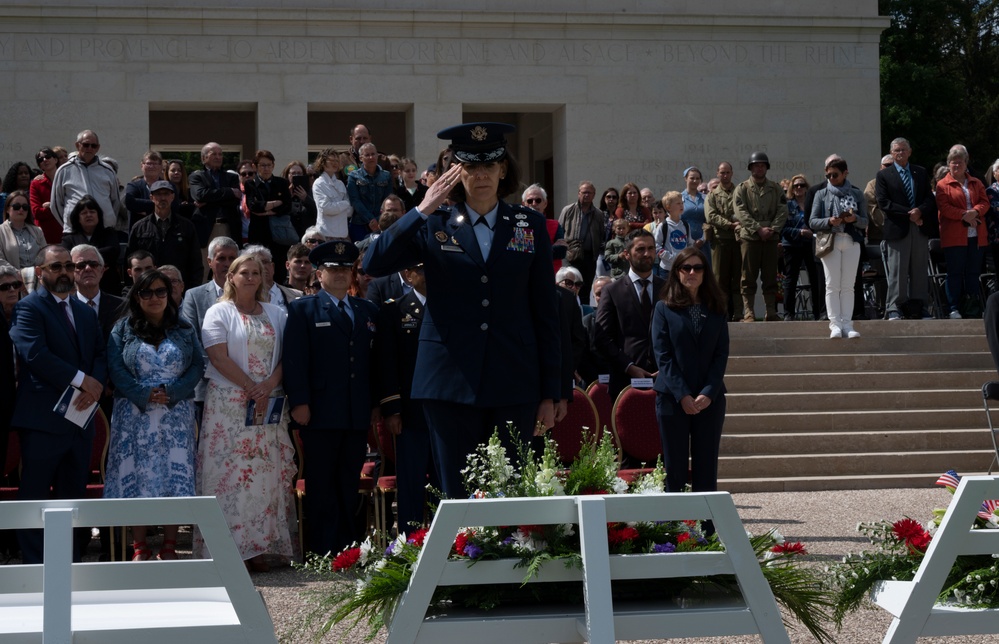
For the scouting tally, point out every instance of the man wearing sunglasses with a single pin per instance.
(86, 174)
(59, 343)
(89, 271)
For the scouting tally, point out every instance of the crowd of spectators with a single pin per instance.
(220, 254)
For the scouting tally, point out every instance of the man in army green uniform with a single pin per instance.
(761, 208)
(726, 255)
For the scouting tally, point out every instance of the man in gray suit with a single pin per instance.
(221, 253)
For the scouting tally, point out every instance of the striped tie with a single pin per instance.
(907, 182)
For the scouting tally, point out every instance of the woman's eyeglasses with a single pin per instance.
(572, 284)
(159, 293)
(314, 241)
(11, 286)
(20, 206)
(692, 268)
(800, 186)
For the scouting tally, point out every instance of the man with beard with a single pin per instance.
(624, 315)
(59, 343)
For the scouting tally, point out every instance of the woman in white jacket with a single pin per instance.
(333, 209)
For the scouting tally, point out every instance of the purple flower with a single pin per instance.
(664, 547)
(389, 550)
(473, 551)
(507, 541)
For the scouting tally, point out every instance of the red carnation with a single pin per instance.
(346, 559)
(461, 541)
(906, 529)
(683, 536)
(796, 548)
(620, 535)
(919, 543)
(417, 537)
(532, 529)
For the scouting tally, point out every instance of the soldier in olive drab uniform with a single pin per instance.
(726, 255)
(761, 208)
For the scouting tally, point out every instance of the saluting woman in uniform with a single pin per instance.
(489, 345)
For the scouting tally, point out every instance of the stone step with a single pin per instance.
(852, 420)
(879, 328)
(855, 464)
(765, 365)
(775, 383)
(856, 401)
(864, 345)
(816, 483)
(733, 445)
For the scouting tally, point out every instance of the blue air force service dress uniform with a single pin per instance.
(327, 358)
(489, 345)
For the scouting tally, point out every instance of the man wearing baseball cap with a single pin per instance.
(169, 237)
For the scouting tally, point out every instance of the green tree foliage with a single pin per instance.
(940, 77)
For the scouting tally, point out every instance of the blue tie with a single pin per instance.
(907, 182)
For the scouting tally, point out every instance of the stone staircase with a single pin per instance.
(894, 408)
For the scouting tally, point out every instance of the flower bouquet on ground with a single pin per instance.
(368, 584)
(899, 548)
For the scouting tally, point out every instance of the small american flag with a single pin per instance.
(949, 480)
(988, 509)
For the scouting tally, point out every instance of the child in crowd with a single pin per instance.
(673, 235)
(615, 256)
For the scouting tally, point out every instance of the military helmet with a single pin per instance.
(758, 157)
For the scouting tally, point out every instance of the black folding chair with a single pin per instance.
(990, 391)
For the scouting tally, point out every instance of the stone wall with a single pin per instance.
(609, 91)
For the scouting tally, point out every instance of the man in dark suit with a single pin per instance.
(386, 288)
(328, 380)
(904, 195)
(489, 346)
(170, 238)
(217, 195)
(398, 337)
(59, 343)
(625, 315)
(89, 271)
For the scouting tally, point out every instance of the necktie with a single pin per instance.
(91, 304)
(64, 306)
(907, 182)
(645, 299)
(482, 220)
(342, 305)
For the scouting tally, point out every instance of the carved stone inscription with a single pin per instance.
(419, 51)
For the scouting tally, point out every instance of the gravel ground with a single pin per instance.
(825, 521)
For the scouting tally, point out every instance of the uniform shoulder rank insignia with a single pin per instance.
(440, 236)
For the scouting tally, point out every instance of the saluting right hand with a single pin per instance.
(437, 193)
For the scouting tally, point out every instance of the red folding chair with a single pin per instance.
(600, 395)
(636, 430)
(386, 484)
(568, 433)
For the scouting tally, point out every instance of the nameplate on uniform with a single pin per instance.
(604, 378)
(641, 383)
(450, 248)
(319, 324)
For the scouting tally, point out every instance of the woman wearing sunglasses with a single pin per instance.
(840, 209)
(11, 289)
(690, 343)
(155, 361)
(799, 250)
(20, 238)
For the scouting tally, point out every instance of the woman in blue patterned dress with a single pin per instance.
(155, 360)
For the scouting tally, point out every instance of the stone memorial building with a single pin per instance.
(608, 90)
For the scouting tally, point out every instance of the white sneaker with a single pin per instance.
(835, 332)
(955, 315)
(850, 333)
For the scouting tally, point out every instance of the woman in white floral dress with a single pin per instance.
(249, 468)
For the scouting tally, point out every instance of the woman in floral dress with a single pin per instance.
(155, 361)
(248, 467)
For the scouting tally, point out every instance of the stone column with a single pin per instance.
(283, 128)
(423, 122)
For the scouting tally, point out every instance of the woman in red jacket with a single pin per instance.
(962, 204)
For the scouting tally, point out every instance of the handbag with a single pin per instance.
(282, 231)
(823, 244)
